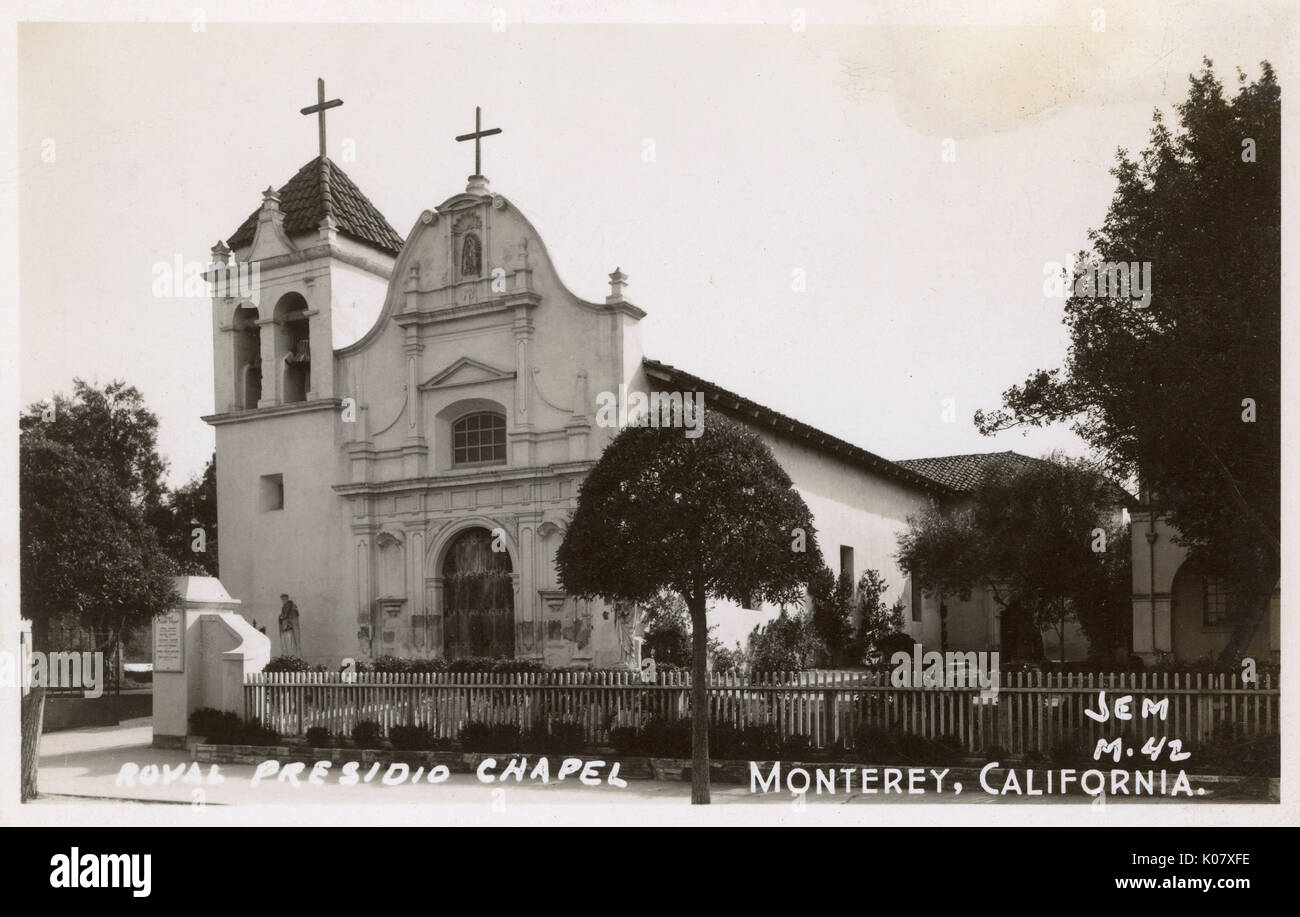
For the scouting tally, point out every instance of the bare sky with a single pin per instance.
(774, 150)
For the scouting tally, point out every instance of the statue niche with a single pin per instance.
(471, 256)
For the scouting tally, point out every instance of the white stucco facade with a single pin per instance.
(339, 481)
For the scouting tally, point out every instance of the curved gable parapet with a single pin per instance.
(471, 252)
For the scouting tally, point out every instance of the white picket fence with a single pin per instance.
(1030, 711)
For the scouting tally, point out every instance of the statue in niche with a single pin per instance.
(471, 256)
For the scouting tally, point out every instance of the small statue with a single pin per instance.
(289, 628)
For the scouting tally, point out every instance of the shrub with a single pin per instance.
(254, 733)
(748, 743)
(666, 738)
(626, 740)
(288, 664)
(796, 748)
(873, 744)
(995, 753)
(217, 726)
(412, 738)
(476, 736)
(562, 737)
(1067, 754)
(384, 664)
(489, 664)
(894, 643)
(367, 734)
(319, 737)
(222, 727)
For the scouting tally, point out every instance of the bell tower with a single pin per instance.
(304, 274)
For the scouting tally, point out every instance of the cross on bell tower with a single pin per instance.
(477, 135)
(319, 110)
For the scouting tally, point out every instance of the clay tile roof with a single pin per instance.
(965, 473)
(321, 187)
(755, 414)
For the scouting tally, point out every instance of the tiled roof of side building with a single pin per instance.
(318, 188)
(966, 473)
(756, 414)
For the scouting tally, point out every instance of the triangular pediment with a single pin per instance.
(465, 371)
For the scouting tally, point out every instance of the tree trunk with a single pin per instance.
(33, 714)
(699, 702)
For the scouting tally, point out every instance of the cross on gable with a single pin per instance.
(319, 110)
(477, 136)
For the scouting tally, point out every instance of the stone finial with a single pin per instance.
(617, 283)
(270, 212)
(220, 253)
(327, 228)
(478, 184)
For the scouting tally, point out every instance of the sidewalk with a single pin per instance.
(85, 764)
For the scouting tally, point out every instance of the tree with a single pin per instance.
(1183, 391)
(787, 643)
(1044, 538)
(667, 629)
(876, 621)
(713, 516)
(88, 558)
(832, 616)
(111, 425)
(187, 523)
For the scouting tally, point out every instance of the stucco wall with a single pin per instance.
(296, 550)
(850, 506)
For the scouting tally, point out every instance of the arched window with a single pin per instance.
(479, 439)
(293, 347)
(248, 358)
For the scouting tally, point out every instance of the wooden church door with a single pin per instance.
(478, 615)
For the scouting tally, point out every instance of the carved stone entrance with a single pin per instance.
(478, 598)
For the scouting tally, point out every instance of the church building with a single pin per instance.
(403, 422)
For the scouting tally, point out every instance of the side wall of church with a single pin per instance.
(851, 507)
(297, 548)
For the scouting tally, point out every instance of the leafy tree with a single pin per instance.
(668, 629)
(787, 643)
(832, 616)
(111, 425)
(1045, 538)
(714, 516)
(726, 661)
(88, 559)
(191, 506)
(1184, 391)
(876, 621)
